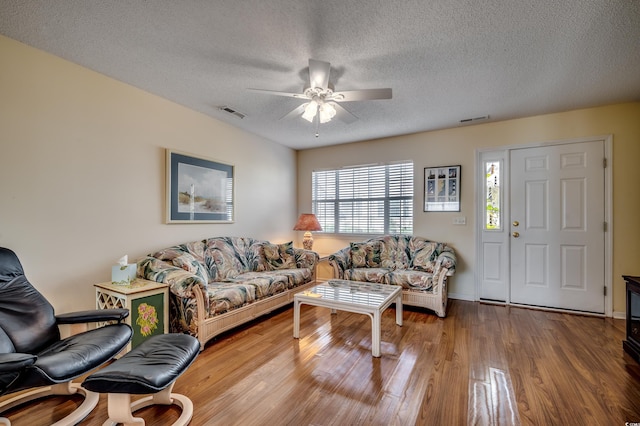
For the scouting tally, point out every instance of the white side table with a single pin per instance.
(148, 304)
(323, 270)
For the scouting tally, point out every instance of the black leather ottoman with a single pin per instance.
(151, 368)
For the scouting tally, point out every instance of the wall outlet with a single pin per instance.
(460, 220)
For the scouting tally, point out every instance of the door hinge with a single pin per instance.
(604, 226)
(605, 291)
(604, 163)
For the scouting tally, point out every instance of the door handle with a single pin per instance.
(516, 234)
(516, 223)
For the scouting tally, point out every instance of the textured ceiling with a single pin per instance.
(445, 60)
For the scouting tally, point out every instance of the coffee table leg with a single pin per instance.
(296, 319)
(399, 309)
(375, 334)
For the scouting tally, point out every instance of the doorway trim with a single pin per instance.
(503, 152)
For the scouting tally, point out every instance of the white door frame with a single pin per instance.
(503, 153)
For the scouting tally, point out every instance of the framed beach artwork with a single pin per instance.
(199, 190)
(442, 189)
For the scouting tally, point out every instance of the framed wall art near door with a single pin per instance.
(442, 189)
(199, 190)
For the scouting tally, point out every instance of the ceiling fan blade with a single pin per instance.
(285, 94)
(319, 74)
(342, 114)
(297, 112)
(362, 95)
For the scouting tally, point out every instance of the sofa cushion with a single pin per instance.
(247, 288)
(424, 259)
(366, 254)
(394, 255)
(223, 259)
(191, 264)
(280, 256)
(294, 277)
(411, 280)
(370, 275)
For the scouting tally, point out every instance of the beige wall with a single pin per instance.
(459, 145)
(82, 173)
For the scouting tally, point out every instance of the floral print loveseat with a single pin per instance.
(420, 266)
(218, 283)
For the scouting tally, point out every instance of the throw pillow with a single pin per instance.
(280, 256)
(365, 255)
(358, 255)
(374, 260)
(255, 257)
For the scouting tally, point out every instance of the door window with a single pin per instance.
(492, 196)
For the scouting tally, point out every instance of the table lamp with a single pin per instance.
(307, 222)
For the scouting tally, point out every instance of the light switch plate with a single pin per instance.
(460, 220)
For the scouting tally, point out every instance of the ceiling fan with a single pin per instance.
(323, 101)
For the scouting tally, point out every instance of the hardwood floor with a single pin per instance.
(482, 365)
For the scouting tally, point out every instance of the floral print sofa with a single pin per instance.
(218, 283)
(420, 266)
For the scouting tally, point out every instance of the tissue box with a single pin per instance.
(123, 275)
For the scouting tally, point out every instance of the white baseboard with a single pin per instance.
(619, 315)
(457, 296)
(616, 314)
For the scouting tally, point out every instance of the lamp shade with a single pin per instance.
(307, 222)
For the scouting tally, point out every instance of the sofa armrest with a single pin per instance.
(181, 282)
(341, 261)
(446, 260)
(306, 258)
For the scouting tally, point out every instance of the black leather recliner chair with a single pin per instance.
(32, 353)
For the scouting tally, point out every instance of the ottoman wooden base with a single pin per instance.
(121, 409)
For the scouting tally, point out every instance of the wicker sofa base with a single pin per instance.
(437, 302)
(208, 328)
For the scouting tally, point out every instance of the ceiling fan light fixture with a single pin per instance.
(310, 111)
(327, 112)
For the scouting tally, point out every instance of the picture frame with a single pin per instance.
(442, 189)
(198, 189)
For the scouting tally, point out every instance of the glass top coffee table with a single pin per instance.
(351, 296)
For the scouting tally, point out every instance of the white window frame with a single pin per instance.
(336, 206)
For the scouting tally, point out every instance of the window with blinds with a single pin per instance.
(364, 200)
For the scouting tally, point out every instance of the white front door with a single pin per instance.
(557, 236)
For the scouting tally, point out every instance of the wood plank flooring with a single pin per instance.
(482, 365)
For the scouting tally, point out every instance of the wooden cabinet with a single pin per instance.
(632, 343)
(148, 304)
